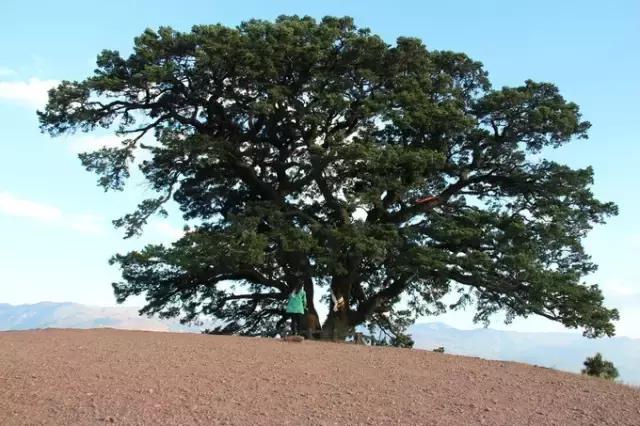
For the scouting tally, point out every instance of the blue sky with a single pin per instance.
(55, 232)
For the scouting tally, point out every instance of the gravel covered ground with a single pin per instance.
(84, 377)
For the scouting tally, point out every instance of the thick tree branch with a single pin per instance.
(373, 302)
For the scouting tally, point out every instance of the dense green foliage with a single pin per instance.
(599, 367)
(299, 148)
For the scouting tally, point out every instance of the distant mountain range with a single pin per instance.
(74, 315)
(563, 351)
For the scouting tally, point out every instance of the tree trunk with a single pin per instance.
(311, 323)
(337, 327)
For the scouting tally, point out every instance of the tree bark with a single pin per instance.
(337, 326)
(311, 323)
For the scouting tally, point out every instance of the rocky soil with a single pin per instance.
(85, 377)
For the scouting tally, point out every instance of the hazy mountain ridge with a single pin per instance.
(74, 315)
(564, 351)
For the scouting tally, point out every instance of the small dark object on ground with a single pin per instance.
(440, 349)
(361, 339)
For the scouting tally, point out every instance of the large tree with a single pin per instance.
(309, 151)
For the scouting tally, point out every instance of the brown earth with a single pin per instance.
(84, 377)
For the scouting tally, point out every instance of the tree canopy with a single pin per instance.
(303, 150)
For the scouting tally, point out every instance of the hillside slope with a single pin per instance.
(132, 377)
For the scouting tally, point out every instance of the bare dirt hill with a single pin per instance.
(131, 377)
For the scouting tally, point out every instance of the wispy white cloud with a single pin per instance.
(14, 206)
(165, 229)
(31, 93)
(90, 143)
(621, 288)
(86, 223)
(4, 71)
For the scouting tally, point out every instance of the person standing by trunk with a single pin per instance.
(296, 307)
